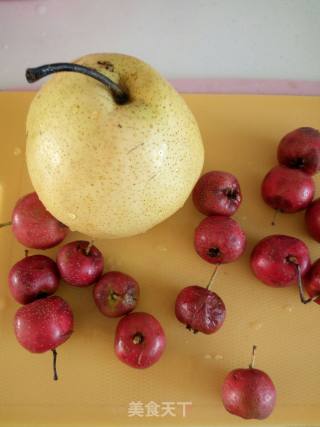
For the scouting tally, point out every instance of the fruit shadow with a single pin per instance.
(87, 318)
(200, 373)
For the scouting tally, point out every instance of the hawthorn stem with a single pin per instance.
(253, 357)
(55, 373)
(275, 214)
(303, 299)
(88, 249)
(5, 224)
(213, 275)
(26, 253)
(37, 73)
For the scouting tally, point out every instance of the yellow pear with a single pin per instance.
(106, 163)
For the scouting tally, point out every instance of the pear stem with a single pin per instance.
(213, 275)
(253, 357)
(37, 73)
(5, 224)
(55, 373)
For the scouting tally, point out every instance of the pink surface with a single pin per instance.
(254, 86)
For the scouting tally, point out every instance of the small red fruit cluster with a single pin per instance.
(218, 239)
(46, 321)
(289, 187)
(139, 338)
(279, 260)
(248, 393)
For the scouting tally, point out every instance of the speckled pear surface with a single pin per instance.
(111, 170)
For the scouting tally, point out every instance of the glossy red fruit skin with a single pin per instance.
(149, 350)
(35, 227)
(219, 239)
(76, 267)
(116, 294)
(270, 260)
(200, 309)
(33, 277)
(217, 193)
(249, 393)
(43, 324)
(287, 190)
(312, 219)
(311, 281)
(301, 149)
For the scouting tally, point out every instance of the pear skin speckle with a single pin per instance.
(119, 169)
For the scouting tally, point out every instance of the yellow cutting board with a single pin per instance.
(95, 389)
